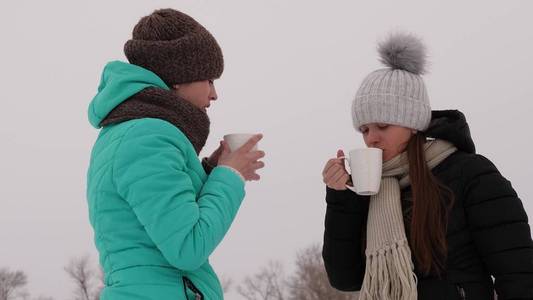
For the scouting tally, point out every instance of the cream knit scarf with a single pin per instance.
(389, 270)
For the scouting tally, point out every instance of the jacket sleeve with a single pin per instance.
(151, 174)
(343, 239)
(500, 229)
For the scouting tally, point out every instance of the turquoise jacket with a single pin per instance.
(156, 214)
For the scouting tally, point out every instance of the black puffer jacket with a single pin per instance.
(488, 232)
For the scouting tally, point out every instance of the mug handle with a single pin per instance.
(347, 159)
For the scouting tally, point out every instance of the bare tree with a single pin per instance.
(226, 283)
(12, 283)
(268, 284)
(87, 281)
(310, 281)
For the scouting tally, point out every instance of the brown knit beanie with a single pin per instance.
(175, 47)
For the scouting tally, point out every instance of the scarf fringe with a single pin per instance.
(389, 274)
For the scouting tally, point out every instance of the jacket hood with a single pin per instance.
(119, 82)
(451, 125)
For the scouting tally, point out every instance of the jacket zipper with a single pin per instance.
(187, 283)
(461, 292)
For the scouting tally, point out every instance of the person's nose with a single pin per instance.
(213, 94)
(372, 138)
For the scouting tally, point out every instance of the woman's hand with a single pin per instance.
(244, 159)
(334, 174)
(212, 160)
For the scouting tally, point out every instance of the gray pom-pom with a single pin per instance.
(405, 52)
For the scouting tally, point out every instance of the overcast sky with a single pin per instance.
(292, 68)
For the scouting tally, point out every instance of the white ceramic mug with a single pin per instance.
(236, 140)
(365, 168)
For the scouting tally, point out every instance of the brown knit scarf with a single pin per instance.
(166, 105)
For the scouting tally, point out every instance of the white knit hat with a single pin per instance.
(395, 95)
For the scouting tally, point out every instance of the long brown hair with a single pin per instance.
(432, 202)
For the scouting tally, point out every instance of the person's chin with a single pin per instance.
(387, 156)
